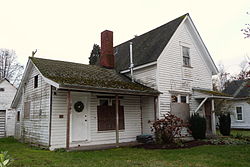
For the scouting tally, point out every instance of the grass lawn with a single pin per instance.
(235, 132)
(203, 156)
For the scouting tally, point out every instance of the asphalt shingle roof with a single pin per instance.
(240, 87)
(146, 47)
(80, 75)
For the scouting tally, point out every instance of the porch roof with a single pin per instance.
(69, 75)
(210, 94)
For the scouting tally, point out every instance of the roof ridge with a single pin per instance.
(183, 16)
(60, 61)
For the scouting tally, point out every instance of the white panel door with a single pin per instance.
(79, 117)
(2, 123)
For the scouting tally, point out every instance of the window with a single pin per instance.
(36, 81)
(186, 56)
(106, 116)
(18, 116)
(239, 114)
(1, 89)
(183, 99)
(174, 99)
(27, 110)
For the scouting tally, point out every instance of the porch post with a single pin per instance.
(117, 120)
(68, 119)
(155, 108)
(213, 122)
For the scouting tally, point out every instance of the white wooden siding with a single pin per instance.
(146, 76)
(35, 130)
(6, 98)
(2, 123)
(170, 69)
(132, 116)
(245, 123)
(147, 114)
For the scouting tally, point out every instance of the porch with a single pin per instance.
(102, 121)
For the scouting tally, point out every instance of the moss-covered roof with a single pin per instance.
(211, 92)
(71, 74)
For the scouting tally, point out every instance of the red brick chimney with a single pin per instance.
(107, 51)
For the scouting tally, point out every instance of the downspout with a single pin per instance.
(131, 61)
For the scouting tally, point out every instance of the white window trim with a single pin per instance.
(179, 98)
(182, 44)
(242, 111)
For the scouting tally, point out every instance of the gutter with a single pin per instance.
(109, 90)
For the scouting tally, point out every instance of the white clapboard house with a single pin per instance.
(239, 106)
(66, 105)
(7, 115)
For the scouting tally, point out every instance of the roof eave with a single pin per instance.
(109, 90)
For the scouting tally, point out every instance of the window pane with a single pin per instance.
(174, 99)
(183, 99)
(239, 113)
(186, 56)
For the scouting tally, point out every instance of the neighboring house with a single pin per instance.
(240, 104)
(7, 115)
(63, 104)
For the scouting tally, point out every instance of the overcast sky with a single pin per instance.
(67, 29)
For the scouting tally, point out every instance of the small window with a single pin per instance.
(186, 56)
(36, 81)
(183, 99)
(239, 113)
(27, 110)
(1, 89)
(174, 99)
(18, 116)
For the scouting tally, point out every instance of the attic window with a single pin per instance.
(36, 81)
(1, 89)
(186, 56)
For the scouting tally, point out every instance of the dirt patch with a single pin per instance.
(189, 144)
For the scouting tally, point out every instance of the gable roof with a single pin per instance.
(146, 47)
(91, 77)
(238, 88)
(5, 79)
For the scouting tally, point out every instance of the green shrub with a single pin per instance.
(197, 126)
(5, 159)
(225, 124)
(168, 128)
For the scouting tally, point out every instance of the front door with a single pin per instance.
(79, 117)
(208, 111)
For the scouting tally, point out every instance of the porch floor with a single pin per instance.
(103, 146)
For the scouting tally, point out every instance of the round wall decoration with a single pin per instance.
(79, 106)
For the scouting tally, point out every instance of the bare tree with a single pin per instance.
(222, 79)
(9, 67)
(245, 70)
(246, 29)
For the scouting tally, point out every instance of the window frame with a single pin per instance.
(36, 81)
(179, 98)
(110, 105)
(186, 57)
(27, 109)
(242, 115)
(18, 117)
